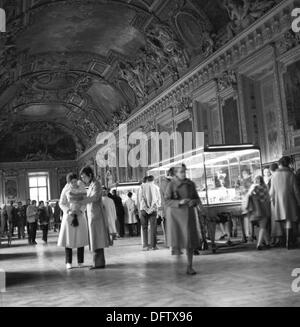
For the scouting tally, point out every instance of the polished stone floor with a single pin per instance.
(240, 276)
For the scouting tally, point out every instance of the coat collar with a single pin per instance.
(179, 182)
(286, 169)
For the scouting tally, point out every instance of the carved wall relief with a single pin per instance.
(38, 141)
(274, 147)
(292, 89)
(251, 110)
(11, 189)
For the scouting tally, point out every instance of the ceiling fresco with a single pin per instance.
(87, 65)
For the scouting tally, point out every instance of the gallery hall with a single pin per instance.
(149, 153)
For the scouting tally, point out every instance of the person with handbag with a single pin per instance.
(259, 209)
(74, 230)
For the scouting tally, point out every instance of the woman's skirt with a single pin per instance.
(183, 228)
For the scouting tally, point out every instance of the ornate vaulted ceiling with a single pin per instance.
(83, 66)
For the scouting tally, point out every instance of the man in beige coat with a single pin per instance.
(285, 197)
(97, 222)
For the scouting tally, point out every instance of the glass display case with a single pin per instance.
(123, 189)
(218, 171)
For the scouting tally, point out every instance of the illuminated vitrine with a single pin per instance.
(218, 171)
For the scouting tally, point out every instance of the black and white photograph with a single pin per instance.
(149, 156)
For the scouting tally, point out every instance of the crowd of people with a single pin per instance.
(18, 219)
(89, 215)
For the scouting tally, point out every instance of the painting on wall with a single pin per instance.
(11, 190)
(37, 142)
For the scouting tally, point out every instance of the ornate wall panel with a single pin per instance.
(14, 178)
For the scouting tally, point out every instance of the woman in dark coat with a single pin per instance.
(181, 200)
(57, 217)
(43, 220)
(261, 210)
(285, 196)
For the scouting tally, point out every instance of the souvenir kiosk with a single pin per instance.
(217, 173)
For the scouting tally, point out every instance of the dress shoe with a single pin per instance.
(176, 252)
(191, 272)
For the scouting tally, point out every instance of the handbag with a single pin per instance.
(75, 222)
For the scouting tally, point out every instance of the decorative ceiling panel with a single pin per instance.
(91, 63)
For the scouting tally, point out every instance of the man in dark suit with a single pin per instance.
(20, 220)
(11, 218)
(120, 213)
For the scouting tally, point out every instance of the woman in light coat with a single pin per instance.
(110, 212)
(285, 196)
(97, 222)
(130, 214)
(72, 236)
